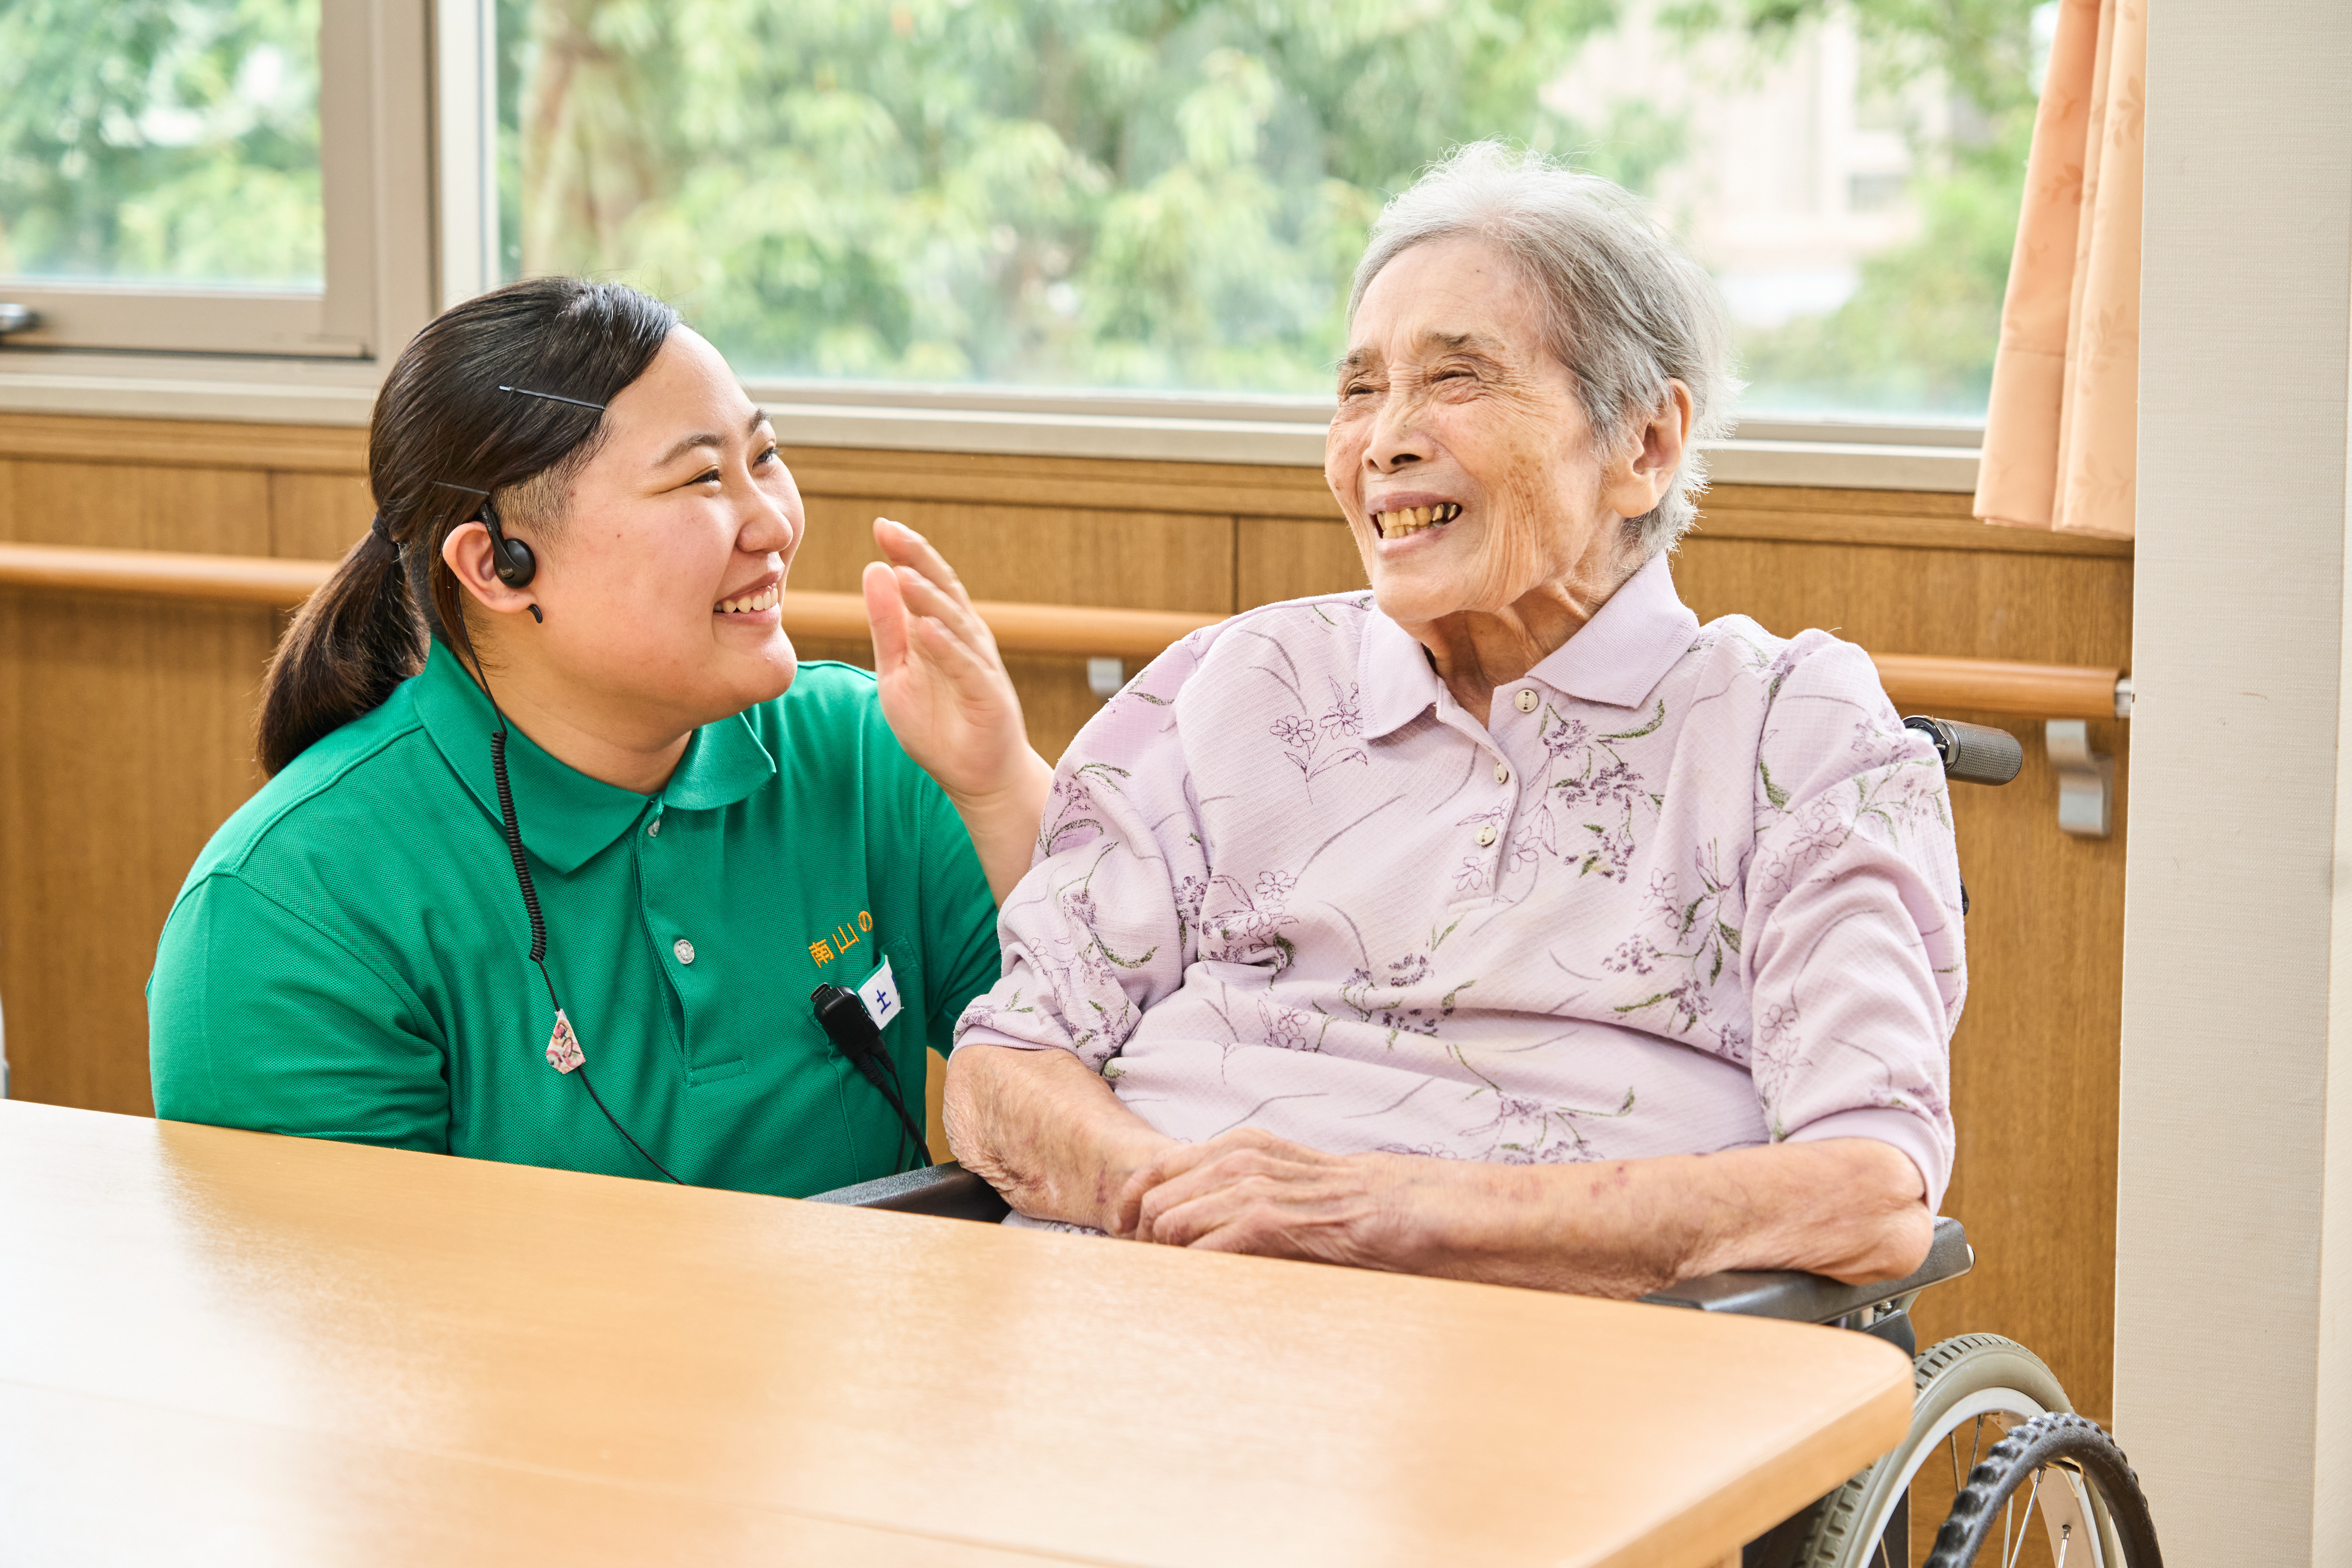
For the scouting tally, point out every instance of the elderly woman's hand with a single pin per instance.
(1848, 1207)
(1249, 1190)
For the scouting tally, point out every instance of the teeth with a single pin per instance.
(766, 599)
(1413, 519)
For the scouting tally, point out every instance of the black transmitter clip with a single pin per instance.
(852, 1030)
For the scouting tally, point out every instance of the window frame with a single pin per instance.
(408, 142)
(372, 58)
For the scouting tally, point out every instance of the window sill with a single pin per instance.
(1271, 432)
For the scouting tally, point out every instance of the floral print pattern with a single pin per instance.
(1696, 890)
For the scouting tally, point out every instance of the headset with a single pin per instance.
(847, 1024)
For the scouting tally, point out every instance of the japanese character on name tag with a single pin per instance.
(879, 992)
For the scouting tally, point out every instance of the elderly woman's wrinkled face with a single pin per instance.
(1464, 461)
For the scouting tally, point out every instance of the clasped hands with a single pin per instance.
(1249, 1190)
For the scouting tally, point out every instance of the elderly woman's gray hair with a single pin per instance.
(1626, 309)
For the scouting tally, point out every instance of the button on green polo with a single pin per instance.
(348, 958)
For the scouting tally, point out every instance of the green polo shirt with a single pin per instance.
(348, 958)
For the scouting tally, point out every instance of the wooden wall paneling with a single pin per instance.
(186, 443)
(128, 739)
(1278, 558)
(318, 517)
(138, 507)
(1083, 483)
(1880, 517)
(1137, 560)
(2062, 609)
(128, 733)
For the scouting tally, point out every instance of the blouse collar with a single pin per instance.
(1616, 659)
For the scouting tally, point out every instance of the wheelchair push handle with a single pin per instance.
(1971, 753)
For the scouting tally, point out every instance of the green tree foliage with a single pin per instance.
(1919, 333)
(1091, 192)
(161, 139)
(1149, 193)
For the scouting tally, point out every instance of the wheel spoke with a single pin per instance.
(2025, 1525)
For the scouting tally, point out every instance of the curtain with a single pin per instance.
(2062, 433)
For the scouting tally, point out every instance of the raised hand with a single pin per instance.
(951, 704)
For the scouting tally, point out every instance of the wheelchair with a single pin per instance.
(2030, 1458)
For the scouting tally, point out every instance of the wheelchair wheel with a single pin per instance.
(1968, 1392)
(2074, 1476)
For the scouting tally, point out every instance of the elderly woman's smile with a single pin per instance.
(1403, 515)
(1491, 516)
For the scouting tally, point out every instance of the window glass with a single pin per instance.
(1170, 194)
(161, 140)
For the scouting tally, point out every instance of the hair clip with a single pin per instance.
(554, 397)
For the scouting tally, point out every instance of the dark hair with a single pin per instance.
(442, 434)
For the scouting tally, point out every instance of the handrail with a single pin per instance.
(1930, 683)
(1914, 681)
(163, 574)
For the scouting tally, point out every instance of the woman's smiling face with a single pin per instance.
(661, 579)
(1459, 452)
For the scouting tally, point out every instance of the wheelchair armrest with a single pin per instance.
(947, 1190)
(1814, 1298)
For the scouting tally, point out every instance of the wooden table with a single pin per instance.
(226, 1347)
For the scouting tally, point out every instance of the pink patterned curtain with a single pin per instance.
(2062, 436)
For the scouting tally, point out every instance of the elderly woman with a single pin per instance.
(1503, 922)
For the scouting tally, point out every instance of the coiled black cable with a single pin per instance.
(513, 832)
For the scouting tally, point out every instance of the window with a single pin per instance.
(1082, 228)
(173, 176)
(1169, 197)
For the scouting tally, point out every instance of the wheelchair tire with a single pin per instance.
(1958, 1386)
(2088, 1463)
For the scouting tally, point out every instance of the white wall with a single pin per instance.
(2233, 1376)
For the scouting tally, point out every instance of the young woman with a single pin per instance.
(560, 841)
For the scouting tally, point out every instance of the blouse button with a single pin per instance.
(1485, 836)
(653, 828)
(684, 949)
(1502, 774)
(1526, 701)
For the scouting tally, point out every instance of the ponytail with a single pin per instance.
(441, 439)
(350, 643)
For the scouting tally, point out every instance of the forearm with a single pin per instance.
(1046, 1131)
(1003, 823)
(1851, 1208)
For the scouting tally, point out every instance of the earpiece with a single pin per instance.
(510, 558)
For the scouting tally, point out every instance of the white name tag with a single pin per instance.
(880, 994)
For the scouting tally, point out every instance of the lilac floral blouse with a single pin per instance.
(1690, 889)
